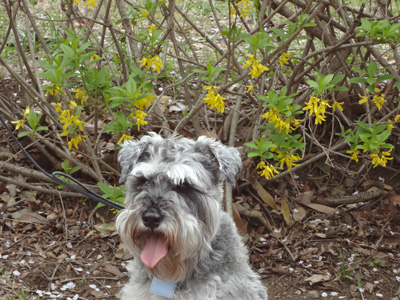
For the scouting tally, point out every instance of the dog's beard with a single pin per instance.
(186, 238)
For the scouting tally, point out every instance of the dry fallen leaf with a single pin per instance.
(286, 212)
(299, 213)
(113, 270)
(305, 197)
(106, 228)
(322, 208)
(265, 196)
(241, 226)
(316, 278)
(394, 198)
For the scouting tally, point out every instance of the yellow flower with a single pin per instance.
(242, 5)
(144, 13)
(77, 1)
(77, 122)
(94, 56)
(146, 61)
(363, 99)
(76, 140)
(143, 102)
(379, 100)
(244, 11)
(249, 61)
(73, 104)
(65, 114)
(286, 124)
(338, 105)
(27, 111)
(52, 89)
(322, 106)
(312, 105)
(390, 124)
(380, 160)
(232, 11)
(79, 94)
(151, 28)
(65, 133)
(154, 62)
(140, 118)
(19, 123)
(214, 99)
(397, 118)
(319, 118)
(288, 159)
(256, 69)
(354, 154)
(157, 64)
(250, 88)
(58, 106)
(283, 60)
(67, 120)
(317, 106)
(267, 170)
(90, 2)
(124, 137)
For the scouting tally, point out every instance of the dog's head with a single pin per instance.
(173, 202)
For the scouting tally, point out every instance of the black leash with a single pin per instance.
(81, 189)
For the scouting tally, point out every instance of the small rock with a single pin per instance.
(313, 294)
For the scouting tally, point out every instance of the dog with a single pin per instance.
(185, 247)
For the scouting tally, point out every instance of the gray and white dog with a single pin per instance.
(184, 245)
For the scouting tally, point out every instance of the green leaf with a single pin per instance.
(341, 89)
(357, 80)
(40, 128)
(385, 77)
(364, 126)
(358, 70)
(313, 84)
(253, 153)
(75, 169)
(372, 68)
(337, 79)
(105, 188)
(251, 145)
(67, 50)
(200, 71)
(83, 47)
(24, 133)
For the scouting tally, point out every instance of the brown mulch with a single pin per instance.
(53, 248)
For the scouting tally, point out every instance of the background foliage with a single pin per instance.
(286, 78)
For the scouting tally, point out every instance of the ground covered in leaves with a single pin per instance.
(314, 235)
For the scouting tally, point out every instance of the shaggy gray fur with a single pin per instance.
(174, 191)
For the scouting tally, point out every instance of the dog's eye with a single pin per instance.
(142, 181)
(182, 186)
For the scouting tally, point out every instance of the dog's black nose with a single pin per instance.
(152, 218)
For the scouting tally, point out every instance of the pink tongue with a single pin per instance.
(155, 249)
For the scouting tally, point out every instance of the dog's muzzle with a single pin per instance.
(156, 246)
(152, 218)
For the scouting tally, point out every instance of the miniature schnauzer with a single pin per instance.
(184, 245)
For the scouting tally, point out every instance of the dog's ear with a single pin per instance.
(228, 158)
(133, 152)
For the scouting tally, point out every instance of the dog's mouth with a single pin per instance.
(155, 248)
